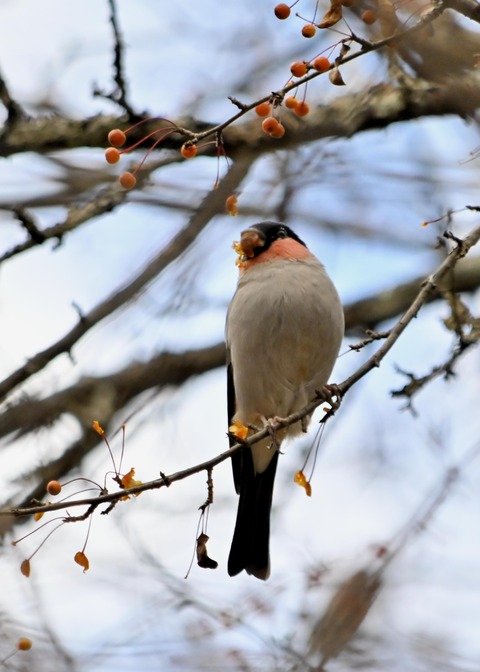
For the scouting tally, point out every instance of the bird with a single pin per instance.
(284, 329)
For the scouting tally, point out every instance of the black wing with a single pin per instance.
(237, 459)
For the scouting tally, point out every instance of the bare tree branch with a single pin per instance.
(468, 8)
(212, 205)
(429, 287)
(14, 110)
(378, 107)
(102, 397)
(118, 95)
(106, 201)
(372, 311)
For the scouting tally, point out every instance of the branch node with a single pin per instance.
(79, 311)
(459, 241)
(165, 479)
(28, 223)
(119, 94)
(238, 103)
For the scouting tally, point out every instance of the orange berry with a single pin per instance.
(302, 109)
(321, 64)
(127, 180)
(54, 488)
(269, 125)
(25, 568)
(116, 137)
(291, 102)
(369, 17)
(189, 151)
(308, 30)
(278, 131)
(24, 644)
(263, 110)
(298, 69)
(112, 155)
(282, 11)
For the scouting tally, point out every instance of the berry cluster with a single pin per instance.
(270, 125)
(117, 138)
(267, 109)
(333, 15)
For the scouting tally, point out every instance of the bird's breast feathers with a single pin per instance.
(284, 328)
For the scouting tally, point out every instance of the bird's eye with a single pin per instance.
(282, 232)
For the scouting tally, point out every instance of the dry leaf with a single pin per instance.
(335, 76)
(344, 614)
(128, 481)
(301, 480)
(332, 16)
(98, 428)
(82, 560)
(203, 560)
(387, 17)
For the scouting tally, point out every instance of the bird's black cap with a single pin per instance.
(269, 233)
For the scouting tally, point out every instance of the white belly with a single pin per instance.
(287, 329)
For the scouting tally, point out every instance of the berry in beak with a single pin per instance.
(251, 240)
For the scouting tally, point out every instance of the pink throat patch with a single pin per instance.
(284, 248)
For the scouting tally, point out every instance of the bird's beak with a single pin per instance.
(250, 241)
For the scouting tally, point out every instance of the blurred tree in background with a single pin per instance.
(112, 305)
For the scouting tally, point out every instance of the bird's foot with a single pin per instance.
(328, 392)
(271, 425)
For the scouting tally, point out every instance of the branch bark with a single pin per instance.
(347, 115)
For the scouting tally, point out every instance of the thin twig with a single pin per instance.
(416, 383)
(105, 201)
(429, 286)
(370, 337)
(118, 95)
(36, 236)
(14, 110)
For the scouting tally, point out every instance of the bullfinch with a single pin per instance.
(284, 328)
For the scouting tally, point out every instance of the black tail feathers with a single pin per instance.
(250, 544)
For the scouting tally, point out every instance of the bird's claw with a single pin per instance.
(328, 392)
(271, 425)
